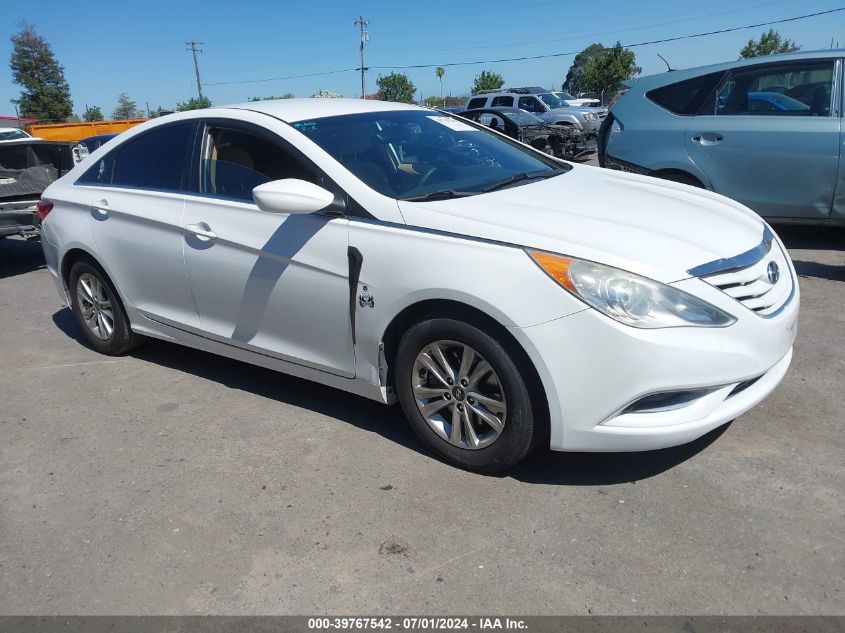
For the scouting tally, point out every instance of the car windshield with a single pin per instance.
(425, 155)
(565, 96)
(521, 117)
(552, 101)
(12, 135)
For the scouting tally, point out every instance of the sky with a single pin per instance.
(111, 47)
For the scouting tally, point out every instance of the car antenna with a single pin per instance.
(669, 69)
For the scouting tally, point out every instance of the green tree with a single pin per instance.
(92, 113)
(487, 80)
(395, 87)
(193, 104)
(606, 71)
(126, 108)
(287, 95)
(574, 82)
(768, 44)
(45, 94)
(440, 71)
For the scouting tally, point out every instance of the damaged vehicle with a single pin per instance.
(27, 167)
(557, 140)
(410, 256)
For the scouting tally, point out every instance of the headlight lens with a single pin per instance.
(629, 298)
(590, 116)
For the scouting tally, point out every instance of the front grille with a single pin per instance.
(760, 279)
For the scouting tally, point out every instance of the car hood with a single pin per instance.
(652, 227)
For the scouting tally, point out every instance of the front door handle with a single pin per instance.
(707, 138)
(202, 231)
(100, 209)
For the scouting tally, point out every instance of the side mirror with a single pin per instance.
(291, 195)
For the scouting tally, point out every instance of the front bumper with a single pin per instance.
(594, 368)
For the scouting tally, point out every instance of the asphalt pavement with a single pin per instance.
(172, 481)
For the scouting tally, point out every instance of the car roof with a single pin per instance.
(293, 110)
(652, 81)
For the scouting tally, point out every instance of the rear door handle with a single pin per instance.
(100, 209)
(202, 231)
(707, 138)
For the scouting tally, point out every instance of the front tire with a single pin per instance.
(99, 312)
(464, 395)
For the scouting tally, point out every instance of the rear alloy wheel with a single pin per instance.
(95, 306)
(464, 395)
(99, 312)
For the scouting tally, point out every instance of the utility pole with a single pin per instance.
(194, 50)
(365, 37)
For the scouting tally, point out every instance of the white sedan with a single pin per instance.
(506, 299)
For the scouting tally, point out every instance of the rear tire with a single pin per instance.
(472, 382)
(99, 312)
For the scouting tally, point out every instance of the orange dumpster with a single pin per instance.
(79, 131)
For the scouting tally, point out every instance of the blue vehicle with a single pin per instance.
(766, 132)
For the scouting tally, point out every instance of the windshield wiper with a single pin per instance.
(443, 194)
(524, 175)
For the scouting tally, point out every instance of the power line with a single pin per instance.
(580, 35)
(544, 56)
(634, 45)
(194, 51)
(255, 81)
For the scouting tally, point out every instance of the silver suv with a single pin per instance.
(545, 105)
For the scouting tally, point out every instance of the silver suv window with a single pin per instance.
(770, 90)
(530, 104)
(506, 102)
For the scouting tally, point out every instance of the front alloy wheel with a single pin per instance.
(464, 389)
(459, 394)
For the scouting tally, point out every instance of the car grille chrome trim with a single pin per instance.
(745, 277)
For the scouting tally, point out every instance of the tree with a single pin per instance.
(92, 113)
(325, 94)
(768, 44)
(193, 104)
(126, 108)
(45, 94)
(287, 95)
(440, 71)
(574, 76)
(487, 80)
(606, 71)
(395, 87)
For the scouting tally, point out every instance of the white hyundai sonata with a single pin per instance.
(506, 299)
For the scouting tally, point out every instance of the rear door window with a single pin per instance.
(685, 97)
(153, 160)
(505, 102)
(477, 102)
(803, 89)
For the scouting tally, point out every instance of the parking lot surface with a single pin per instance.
(173, 481)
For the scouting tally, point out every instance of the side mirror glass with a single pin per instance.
(291, 195)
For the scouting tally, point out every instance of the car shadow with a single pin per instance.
(543, 467)
(822, 271)
(18, 256)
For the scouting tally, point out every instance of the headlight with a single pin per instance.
(629, 298)
(589, 116)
